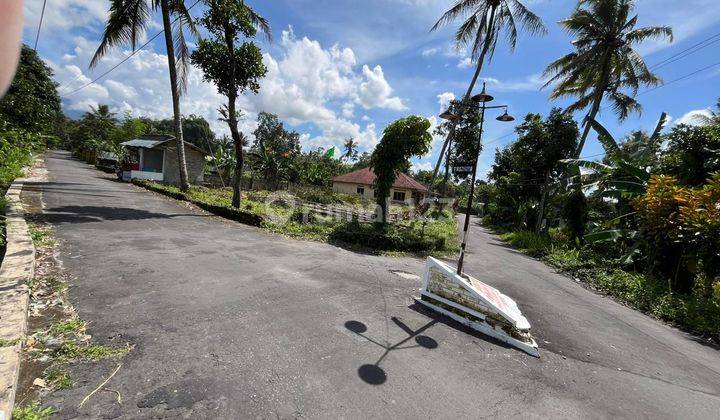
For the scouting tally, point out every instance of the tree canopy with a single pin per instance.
(403, 139)
(32, 102)
(274, 150)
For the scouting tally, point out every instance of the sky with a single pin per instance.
(348, 68)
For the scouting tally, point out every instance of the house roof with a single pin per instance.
(151, 141)
(144, 143)
(366, 176)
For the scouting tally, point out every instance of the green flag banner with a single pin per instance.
(330, 152)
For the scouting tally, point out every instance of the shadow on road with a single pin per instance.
(373, 374)
(439, 318)
(89, 214)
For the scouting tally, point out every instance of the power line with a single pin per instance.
(123, 60)
(42, 15)
(678, 55)
(685, 55)
(113, 67)
(680, 78)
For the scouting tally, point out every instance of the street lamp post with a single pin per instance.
(482, 99)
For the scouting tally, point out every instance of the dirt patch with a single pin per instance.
(57, 341)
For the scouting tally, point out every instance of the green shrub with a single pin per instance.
(532, 243)
(438, 234)
(566, 259)
(416, 236)
(16, 151)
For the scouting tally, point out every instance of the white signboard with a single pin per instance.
(489, 311)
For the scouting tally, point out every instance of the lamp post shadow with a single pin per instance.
(373, 374)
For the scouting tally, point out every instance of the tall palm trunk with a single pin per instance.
(541, 207)
(239, 157)
(184, 186)
(597, 100)
(448, 142)
(233, 122)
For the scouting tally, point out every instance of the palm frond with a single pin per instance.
(126, 25)
(460, 8)
(529, 20)
(182, 53)
(643, 34)
(588, 164)
(605, 138)
(659, 127)
(259, 23)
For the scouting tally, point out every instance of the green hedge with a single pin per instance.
(238, 215)
(16, 151)
(439, 234)
(435, 236)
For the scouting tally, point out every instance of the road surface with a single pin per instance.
(229, 321)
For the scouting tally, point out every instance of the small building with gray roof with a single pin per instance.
(154, 157)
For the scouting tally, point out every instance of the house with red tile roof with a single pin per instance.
(362, 182)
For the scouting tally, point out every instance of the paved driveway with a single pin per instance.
(232, 322)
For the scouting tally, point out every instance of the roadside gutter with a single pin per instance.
(17, 269)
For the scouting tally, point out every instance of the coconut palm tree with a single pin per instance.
(101, 113)
(604, 61)
(485, 20)
(351, 149)
(126, 24)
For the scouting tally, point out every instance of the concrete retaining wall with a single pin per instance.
(17, 269)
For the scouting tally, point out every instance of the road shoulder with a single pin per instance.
(17, 269)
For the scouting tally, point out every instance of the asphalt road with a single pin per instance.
(229, 321)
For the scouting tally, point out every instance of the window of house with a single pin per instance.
(152, 160)
(398, 195)
(361, 190)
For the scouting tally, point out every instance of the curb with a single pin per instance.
(17, 269)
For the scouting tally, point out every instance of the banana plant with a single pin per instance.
(618, 178)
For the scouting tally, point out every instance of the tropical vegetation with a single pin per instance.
(126, 24)
(233, 67)
(484, 23)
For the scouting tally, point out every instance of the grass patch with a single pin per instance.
(568, 259)
(58, 377)
(279, 214)
(74, 325)
(4, 342)
(530, 242)
(73, 351)
(42, 236)
(33, 411)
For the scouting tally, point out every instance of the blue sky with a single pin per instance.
(340, 68)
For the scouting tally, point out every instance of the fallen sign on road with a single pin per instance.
(475, 304)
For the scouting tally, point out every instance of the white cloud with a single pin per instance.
(444, 100)
(532, 82)
(465, 63)
(682, 17)
(430, 52)
(693, 117)
(64, 14)
(348, 110)
(422, 166)
(376, 92)
(305, 83)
